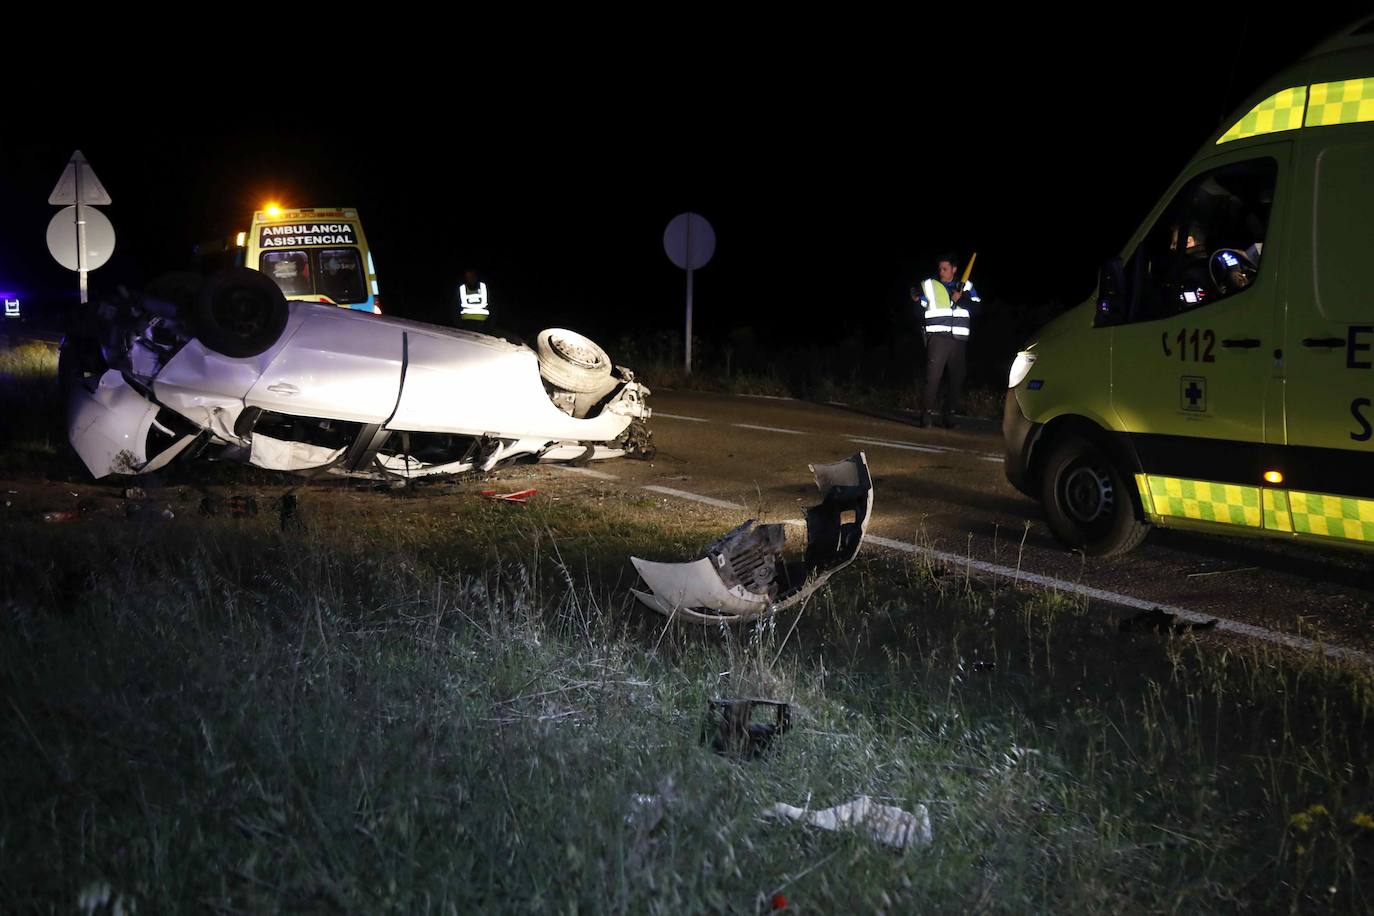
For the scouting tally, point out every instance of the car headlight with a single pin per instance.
(1020, 368)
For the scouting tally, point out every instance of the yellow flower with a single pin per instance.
(1317, 809)
(1302, 850)
(1363, 820)
(1302, 821)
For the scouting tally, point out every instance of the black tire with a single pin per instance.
(572, 362)
(1087, 500)
(239, 313)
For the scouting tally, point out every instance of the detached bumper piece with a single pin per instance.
(743, 575)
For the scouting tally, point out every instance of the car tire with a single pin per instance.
(1087, 500)
(572, 362)
(239, 313)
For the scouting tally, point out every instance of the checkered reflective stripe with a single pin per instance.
(1332, 516)
(1341, 102)
(1227, 503)
(1281, 111)
(1276, 516)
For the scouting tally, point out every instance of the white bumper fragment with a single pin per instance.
(743, 576)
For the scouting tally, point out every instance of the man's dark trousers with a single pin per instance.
(944, 350)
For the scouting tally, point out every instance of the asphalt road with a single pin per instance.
(944, 490)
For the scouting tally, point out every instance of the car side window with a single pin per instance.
(1208, 244)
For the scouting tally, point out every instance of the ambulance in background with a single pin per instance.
(1222, 378)
(314, 254)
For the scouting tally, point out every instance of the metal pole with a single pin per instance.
(688, 348)
(80, 236)
(689, 321)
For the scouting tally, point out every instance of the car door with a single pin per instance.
(340, 365)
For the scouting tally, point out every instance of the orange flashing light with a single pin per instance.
(1273, 477)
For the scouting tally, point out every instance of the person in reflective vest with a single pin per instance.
(472, 298)
(946, 308)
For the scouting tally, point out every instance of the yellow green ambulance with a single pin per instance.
(1222, 377)
(316, 254)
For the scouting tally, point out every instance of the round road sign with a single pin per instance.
(689, 241)
(100, 238)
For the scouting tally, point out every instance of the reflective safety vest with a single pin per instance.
(942, 315)
(473, 302)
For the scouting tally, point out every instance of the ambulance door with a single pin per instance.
(1328, 461)
(1329, 401)
(1194, 363)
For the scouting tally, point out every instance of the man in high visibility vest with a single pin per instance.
(946, 307)
(472, 299)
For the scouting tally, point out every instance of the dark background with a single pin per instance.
(834, 164)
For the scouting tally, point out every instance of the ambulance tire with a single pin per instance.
(1087, 500)
(239, 313)
(572, 362)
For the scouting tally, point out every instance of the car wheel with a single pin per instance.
(571, 361)
(1087, 501)
(239, 313)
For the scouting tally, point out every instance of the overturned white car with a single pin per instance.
(226, 367)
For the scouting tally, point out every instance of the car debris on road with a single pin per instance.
(743, 576)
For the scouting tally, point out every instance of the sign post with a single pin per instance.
(689, 242)
(80, 237)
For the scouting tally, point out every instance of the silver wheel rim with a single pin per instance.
(1088, 494)
(575, 352)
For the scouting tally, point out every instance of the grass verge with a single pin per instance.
(450, 705)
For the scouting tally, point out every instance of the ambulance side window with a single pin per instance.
(1208, 245)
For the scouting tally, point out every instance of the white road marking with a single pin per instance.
(675, 416)
(909, 446)
(683, 494)
(1232, 626)
(1063, 585)
(765, 397)
(934, 449)
(588, 472)
(769, 429)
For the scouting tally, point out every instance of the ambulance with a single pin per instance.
(314, 254)
(1222, 377)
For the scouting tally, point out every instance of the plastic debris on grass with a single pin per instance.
(884, 823)
(519, 496)
(743, 575)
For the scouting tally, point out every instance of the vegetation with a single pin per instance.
(887, 375)
(447, 704)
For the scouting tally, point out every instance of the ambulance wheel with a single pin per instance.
(571, 361)
(239, 312)
(1087, 500)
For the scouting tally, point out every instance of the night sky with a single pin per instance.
(833, 166)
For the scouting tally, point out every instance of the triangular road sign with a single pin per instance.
(92, 191)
